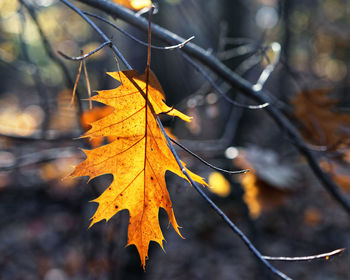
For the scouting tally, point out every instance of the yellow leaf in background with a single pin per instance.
(251, 194)
(138, 158)
(219, 184)
(134, 4)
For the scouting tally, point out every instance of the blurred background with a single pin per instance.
(303, 47)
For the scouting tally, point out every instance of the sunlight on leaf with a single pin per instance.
(93, 115)
(138, 158)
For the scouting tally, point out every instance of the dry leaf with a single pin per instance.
(137, 159)
(134, 4)
(322, 125)
(268, 182)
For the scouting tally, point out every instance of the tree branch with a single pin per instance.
(234, 228)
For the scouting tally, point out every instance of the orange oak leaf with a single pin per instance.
(134, 4)
(138, 158)
(269, 181)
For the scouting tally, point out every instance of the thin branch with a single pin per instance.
(98, 30)
(218, 89)
(84, 56)
(173, 47)
(180, 45)
(235, 229)
(306, 258)
(276, 48)
(207, 163)
(235, 52)
(236, 81)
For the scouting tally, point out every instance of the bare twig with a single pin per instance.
(207, 163)
(276, 48)
(98, 30)
(173, 47)
(218, 89)
(306, 258)
(84, 56)
(196, 66)
(235, 229)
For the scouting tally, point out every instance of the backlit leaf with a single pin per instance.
(138, 158)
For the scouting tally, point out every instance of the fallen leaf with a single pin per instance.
(268, 182)
(138, 158)
(134, 4)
